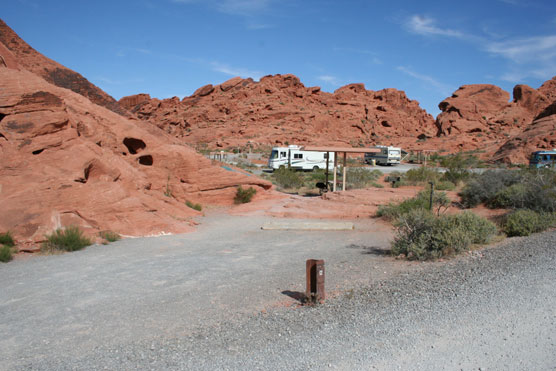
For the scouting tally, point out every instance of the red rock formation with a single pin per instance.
(541, 134)
(66, 160)
(51, 71)
(280, 109)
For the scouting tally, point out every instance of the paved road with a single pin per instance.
(213, 300)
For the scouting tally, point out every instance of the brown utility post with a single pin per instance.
(315, 280)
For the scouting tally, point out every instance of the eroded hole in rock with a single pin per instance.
(146, 160)
(2, 116)
(134, 145)
(38, 151)
(3, 136)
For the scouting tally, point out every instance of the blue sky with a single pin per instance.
(172, 47)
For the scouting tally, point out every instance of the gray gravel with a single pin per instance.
(491, 309)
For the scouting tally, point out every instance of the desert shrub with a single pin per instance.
(444, 185)
(360, 177)
(5, 253)
(7, 239)
(421, 175)
(531, 189)
(524, 222)
(420, 235)
(287, 178)
(513, 196)
(458, 167)
(193, 205)
(244, 196)
(69, 239)
(485, 186)
(110, 236)
(421, 201)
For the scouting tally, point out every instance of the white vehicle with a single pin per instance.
(387, 156)
(294, 157)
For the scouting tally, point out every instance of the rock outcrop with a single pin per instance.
(53, 72)
(68, 161)
(279, 109)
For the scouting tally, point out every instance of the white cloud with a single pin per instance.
(235, 71)
(527, 56)
(243, 7)
(331, 80)
(423, 25)
(443, 88)
(525, 49)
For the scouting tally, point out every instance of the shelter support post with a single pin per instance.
(344, 174)
(335, 170)
(326, 171)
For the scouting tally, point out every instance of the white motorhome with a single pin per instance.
(294, 157)
(387, 156)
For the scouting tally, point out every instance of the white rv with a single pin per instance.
(387, 155)
(292, 156)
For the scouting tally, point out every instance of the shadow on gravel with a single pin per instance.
(371, 250)
(299, 296)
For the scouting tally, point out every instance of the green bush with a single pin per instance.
(485, 186)
(69, 239)
(421, 236)
(530, 189)
(421, 201)
(244, 196)
(194, 206)
(110, 236)
(524, 222)
(457, 167)
(357, 177)
(444, 185)
(5, 253)
(7, 239)
(513, 196)
(421, 175)
(287, 178)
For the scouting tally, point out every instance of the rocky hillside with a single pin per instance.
(16, 51)
(279, 109)
(69, 161)
(483, 117)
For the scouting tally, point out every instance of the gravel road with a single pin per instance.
(214, 299)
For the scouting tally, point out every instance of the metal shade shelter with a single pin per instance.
(336, 150)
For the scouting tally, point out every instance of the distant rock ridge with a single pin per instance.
(279, 109)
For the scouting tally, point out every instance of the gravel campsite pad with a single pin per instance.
(224, 297)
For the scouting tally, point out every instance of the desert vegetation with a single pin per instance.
(69, 239)
(244, 195)
(6, 247)
(294, 181)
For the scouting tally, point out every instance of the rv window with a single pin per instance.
(273, 155)
(282, 154)
(326, 155)
(298, 155)
(546, 157)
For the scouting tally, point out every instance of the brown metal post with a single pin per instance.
(315, 281)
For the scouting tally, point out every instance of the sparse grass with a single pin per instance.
(110, 236)
(193, 205)
(69, 239)
(6, 253)
(357, 178)
(7, 239)
(244, 196)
